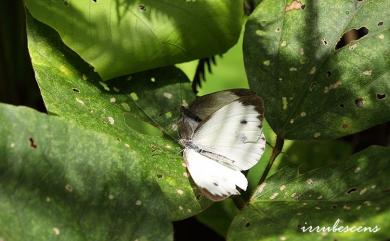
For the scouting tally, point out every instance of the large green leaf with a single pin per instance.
(309, 155)
(61, 182)
(133, 110)
(310, 88)
(120, 37)
(356, 192)
(219, 216)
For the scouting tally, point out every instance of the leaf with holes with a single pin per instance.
(353, 194)
(133, 110)
(314, 84)
(120, 37)
(60, 181)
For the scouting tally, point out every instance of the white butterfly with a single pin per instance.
(222, 135)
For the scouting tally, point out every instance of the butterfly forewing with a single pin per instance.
(234, 132)
(217, 180)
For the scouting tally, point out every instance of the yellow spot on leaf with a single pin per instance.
(56, 231)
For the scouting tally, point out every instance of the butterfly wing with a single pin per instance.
(216, 181)
(206, 105)
(234, 132)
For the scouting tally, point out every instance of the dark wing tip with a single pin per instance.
(256, 101)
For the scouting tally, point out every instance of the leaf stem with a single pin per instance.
(275, 152)
(239, 202)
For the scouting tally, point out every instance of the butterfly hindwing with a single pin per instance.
(214, 179)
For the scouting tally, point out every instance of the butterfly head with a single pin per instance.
(186, 143)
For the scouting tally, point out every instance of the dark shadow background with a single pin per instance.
(18, 87)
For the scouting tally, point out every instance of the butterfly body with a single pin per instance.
(222, 135)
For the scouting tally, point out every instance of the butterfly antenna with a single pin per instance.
(154, 122)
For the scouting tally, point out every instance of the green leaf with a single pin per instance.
(120, 37)
(354, 191)
(312, 90)
(133, 110)
(219, 216)
(309, 155)
(61, 182)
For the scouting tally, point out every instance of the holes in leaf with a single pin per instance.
(32, 143)
(142, 7)
(351, 190)
(380, 23)
(76, 90)
(351, 35)
(159, 176)
(359, 102)
(247, 224)
(324, 41)
(380, 96)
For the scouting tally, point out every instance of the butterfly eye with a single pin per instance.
(244, 122)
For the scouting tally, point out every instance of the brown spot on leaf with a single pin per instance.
(345, 125)
(294, 5)
(359, 102)
(32, 143)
